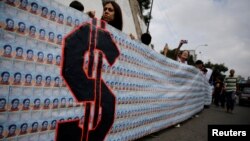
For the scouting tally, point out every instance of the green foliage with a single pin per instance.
(217, 69)
(145, 5)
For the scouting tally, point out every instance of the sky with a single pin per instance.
(223, 25)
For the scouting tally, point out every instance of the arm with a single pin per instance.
(178, 48)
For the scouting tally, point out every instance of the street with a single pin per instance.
(195, 129)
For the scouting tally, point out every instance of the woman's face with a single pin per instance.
(184, 54)
(108, 13)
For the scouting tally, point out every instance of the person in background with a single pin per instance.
(112, 14)
(199, 65)
(230, 90)
(183, 56)
(173, 54)
(165, 50)
(218, 89)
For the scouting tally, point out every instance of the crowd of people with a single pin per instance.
(224, 93)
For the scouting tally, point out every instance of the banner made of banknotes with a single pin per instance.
(115, 89)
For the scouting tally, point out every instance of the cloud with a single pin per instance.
(222, 24)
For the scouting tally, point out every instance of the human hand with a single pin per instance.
(184, 41)
(91, 14)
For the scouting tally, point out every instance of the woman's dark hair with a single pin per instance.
(77, 5)
(117, 22)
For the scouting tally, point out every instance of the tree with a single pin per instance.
(217, 70)
(145, 5)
